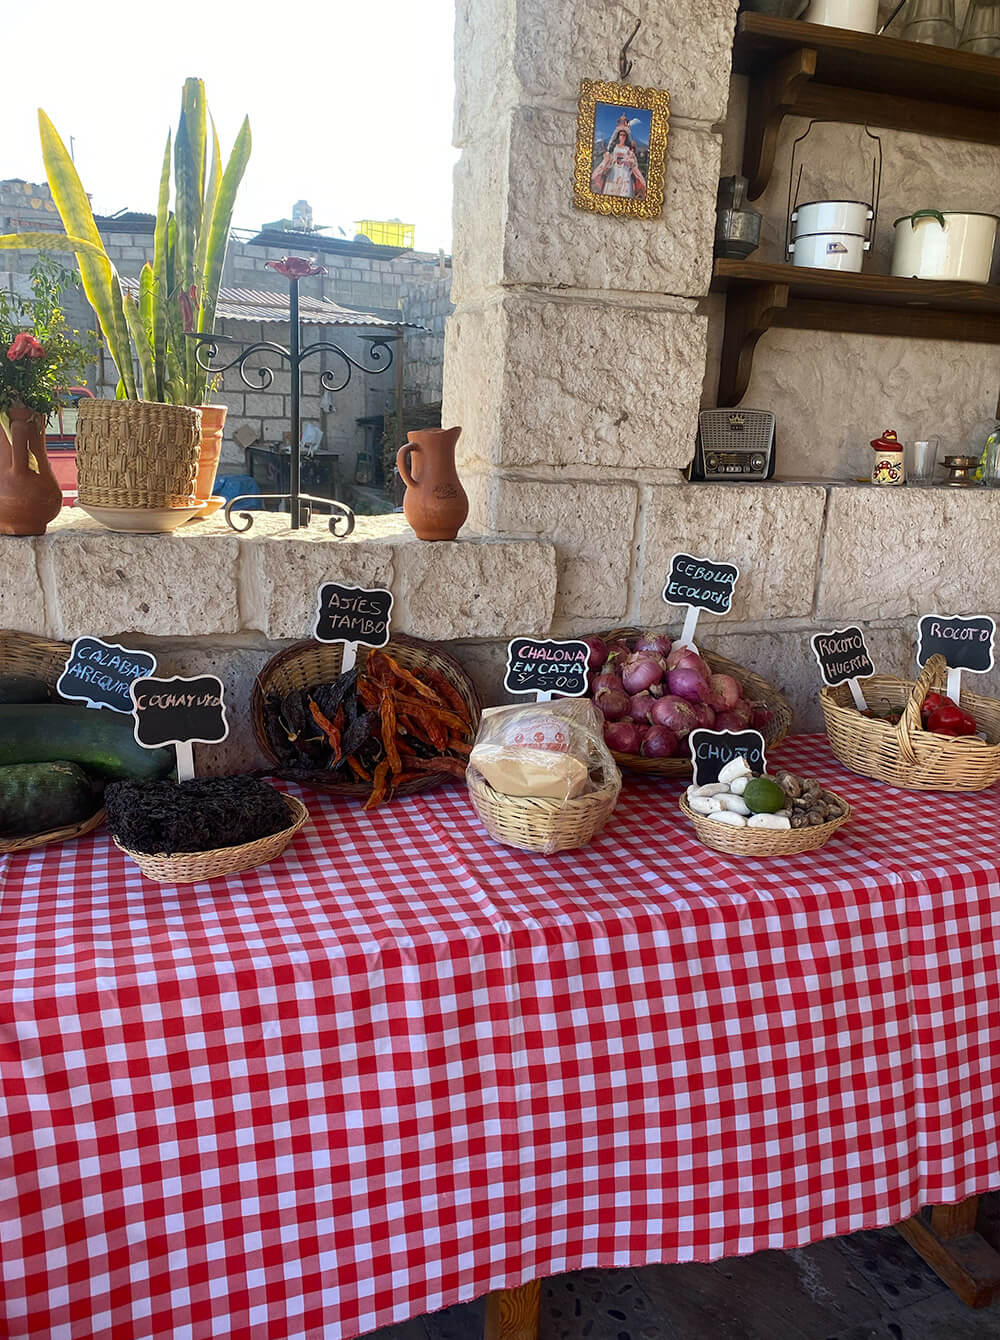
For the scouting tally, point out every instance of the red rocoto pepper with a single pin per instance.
(949, 719)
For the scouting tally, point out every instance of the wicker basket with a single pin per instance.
(137, 453)
(541, 824)
(40, 657)
(758, 689)
(762, 841)
(309, 663)
(195, 866)
(906, 755)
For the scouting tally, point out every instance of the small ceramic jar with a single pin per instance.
(887, 467)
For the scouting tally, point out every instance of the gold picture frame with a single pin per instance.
(614, 175)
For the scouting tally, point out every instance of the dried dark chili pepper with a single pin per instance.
(277, 730)
(294, 710)
(357, 732)
(330, 696)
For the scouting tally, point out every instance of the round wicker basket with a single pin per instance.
(906, 755)
(42, 658)
(757, 688)
(195, 866)
(137, 453)
(308, 663)
(762, 841)
(541, 824)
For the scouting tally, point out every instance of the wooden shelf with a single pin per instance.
(805, 69)
(760, 295)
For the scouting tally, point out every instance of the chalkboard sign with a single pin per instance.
(179, 711)
(353, 614)
(965, 644)
(540, 666)
(701, 583)
(711, 750)
(101, 674)
(842, 655)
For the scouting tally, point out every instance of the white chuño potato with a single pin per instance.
(739, 785)
(734, 804)
(769, 821)
(705, 804)
(709, 789)
(736, 767)
(728, 817)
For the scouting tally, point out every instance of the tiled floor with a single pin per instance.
(869, 1286)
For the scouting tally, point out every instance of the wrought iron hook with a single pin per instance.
(624, 64)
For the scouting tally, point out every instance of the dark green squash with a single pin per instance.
(23, 689)
(38, 797)
(98, 740)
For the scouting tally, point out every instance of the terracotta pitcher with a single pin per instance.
(213, 420)
(435, 504)
(30, 495)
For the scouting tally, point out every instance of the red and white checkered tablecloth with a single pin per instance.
(402, 1065)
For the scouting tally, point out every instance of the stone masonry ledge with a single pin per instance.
(205, 580)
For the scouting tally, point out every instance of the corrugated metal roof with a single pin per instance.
(263, 305)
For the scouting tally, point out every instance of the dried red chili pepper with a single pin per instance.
(380, 783)
(331, 731)
(387, 713)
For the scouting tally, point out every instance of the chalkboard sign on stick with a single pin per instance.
(545, 667)
(965, 644)
(844, 659)
(711, 750)
(101, 673)
(700, 584)
(352, 615)
(181, 712)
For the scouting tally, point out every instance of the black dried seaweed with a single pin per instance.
(199, 815)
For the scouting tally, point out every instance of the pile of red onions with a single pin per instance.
(653, 694)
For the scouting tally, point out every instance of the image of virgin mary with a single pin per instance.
(618, 172)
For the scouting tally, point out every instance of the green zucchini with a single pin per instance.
(37, 797)
(23, 689)
(99, 740)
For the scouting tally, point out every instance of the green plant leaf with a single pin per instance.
(100, 281)
(162, 287)
(222, 215)
(142, 343)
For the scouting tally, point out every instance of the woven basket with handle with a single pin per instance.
(539, 823)
(137, 453)
(754, 687)
(308, 663)
(906, 755)
(40, 657)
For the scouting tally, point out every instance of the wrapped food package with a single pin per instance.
(539, 749)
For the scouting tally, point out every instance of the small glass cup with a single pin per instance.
(923, 461)
(981, 30)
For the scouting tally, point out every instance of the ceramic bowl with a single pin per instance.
(141, 520)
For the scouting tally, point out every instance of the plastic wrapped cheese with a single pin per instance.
(539, 749)
(531, 772)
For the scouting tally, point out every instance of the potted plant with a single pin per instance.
(143, 449)
(39, 357)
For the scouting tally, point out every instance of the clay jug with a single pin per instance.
(435, 504)
(213, 420)
(30, 495)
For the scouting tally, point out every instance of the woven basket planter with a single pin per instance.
(309, 663)
(40, 657)
(756, 687)
(541, 824)
(906, 755)
(762, 841)
(137, 453)
(195, 866)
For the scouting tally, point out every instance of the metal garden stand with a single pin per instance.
(380, 354)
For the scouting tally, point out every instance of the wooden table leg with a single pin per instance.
(956, 1252)
(512, 1314)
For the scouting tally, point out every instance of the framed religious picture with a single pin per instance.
(621, 149)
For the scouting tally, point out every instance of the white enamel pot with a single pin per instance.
(944, 245)
(859, 15)
(832, 216)
(829, 251)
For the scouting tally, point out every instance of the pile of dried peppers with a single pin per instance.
(379, 724)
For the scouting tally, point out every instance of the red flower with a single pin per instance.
(295, 267)
(25, 346)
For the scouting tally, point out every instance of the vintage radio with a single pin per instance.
(734, 445)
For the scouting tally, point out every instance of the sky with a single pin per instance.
(350, 104)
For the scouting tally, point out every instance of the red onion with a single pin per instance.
(640, 672)
(606, 682)
(655, 642)
(687, 656)
(687, 682)
(742, 708)
(598, 651)
(704, 714)
(618, 651)
(621, 736)
(761, 716)
(729, 721)
(641, 706)
(677, 713)
(724, 692)
(660, 742)
(614, 704)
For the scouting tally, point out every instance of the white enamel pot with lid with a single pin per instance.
(831, 234)
(944, 244)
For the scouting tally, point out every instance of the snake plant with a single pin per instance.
(179, 290)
